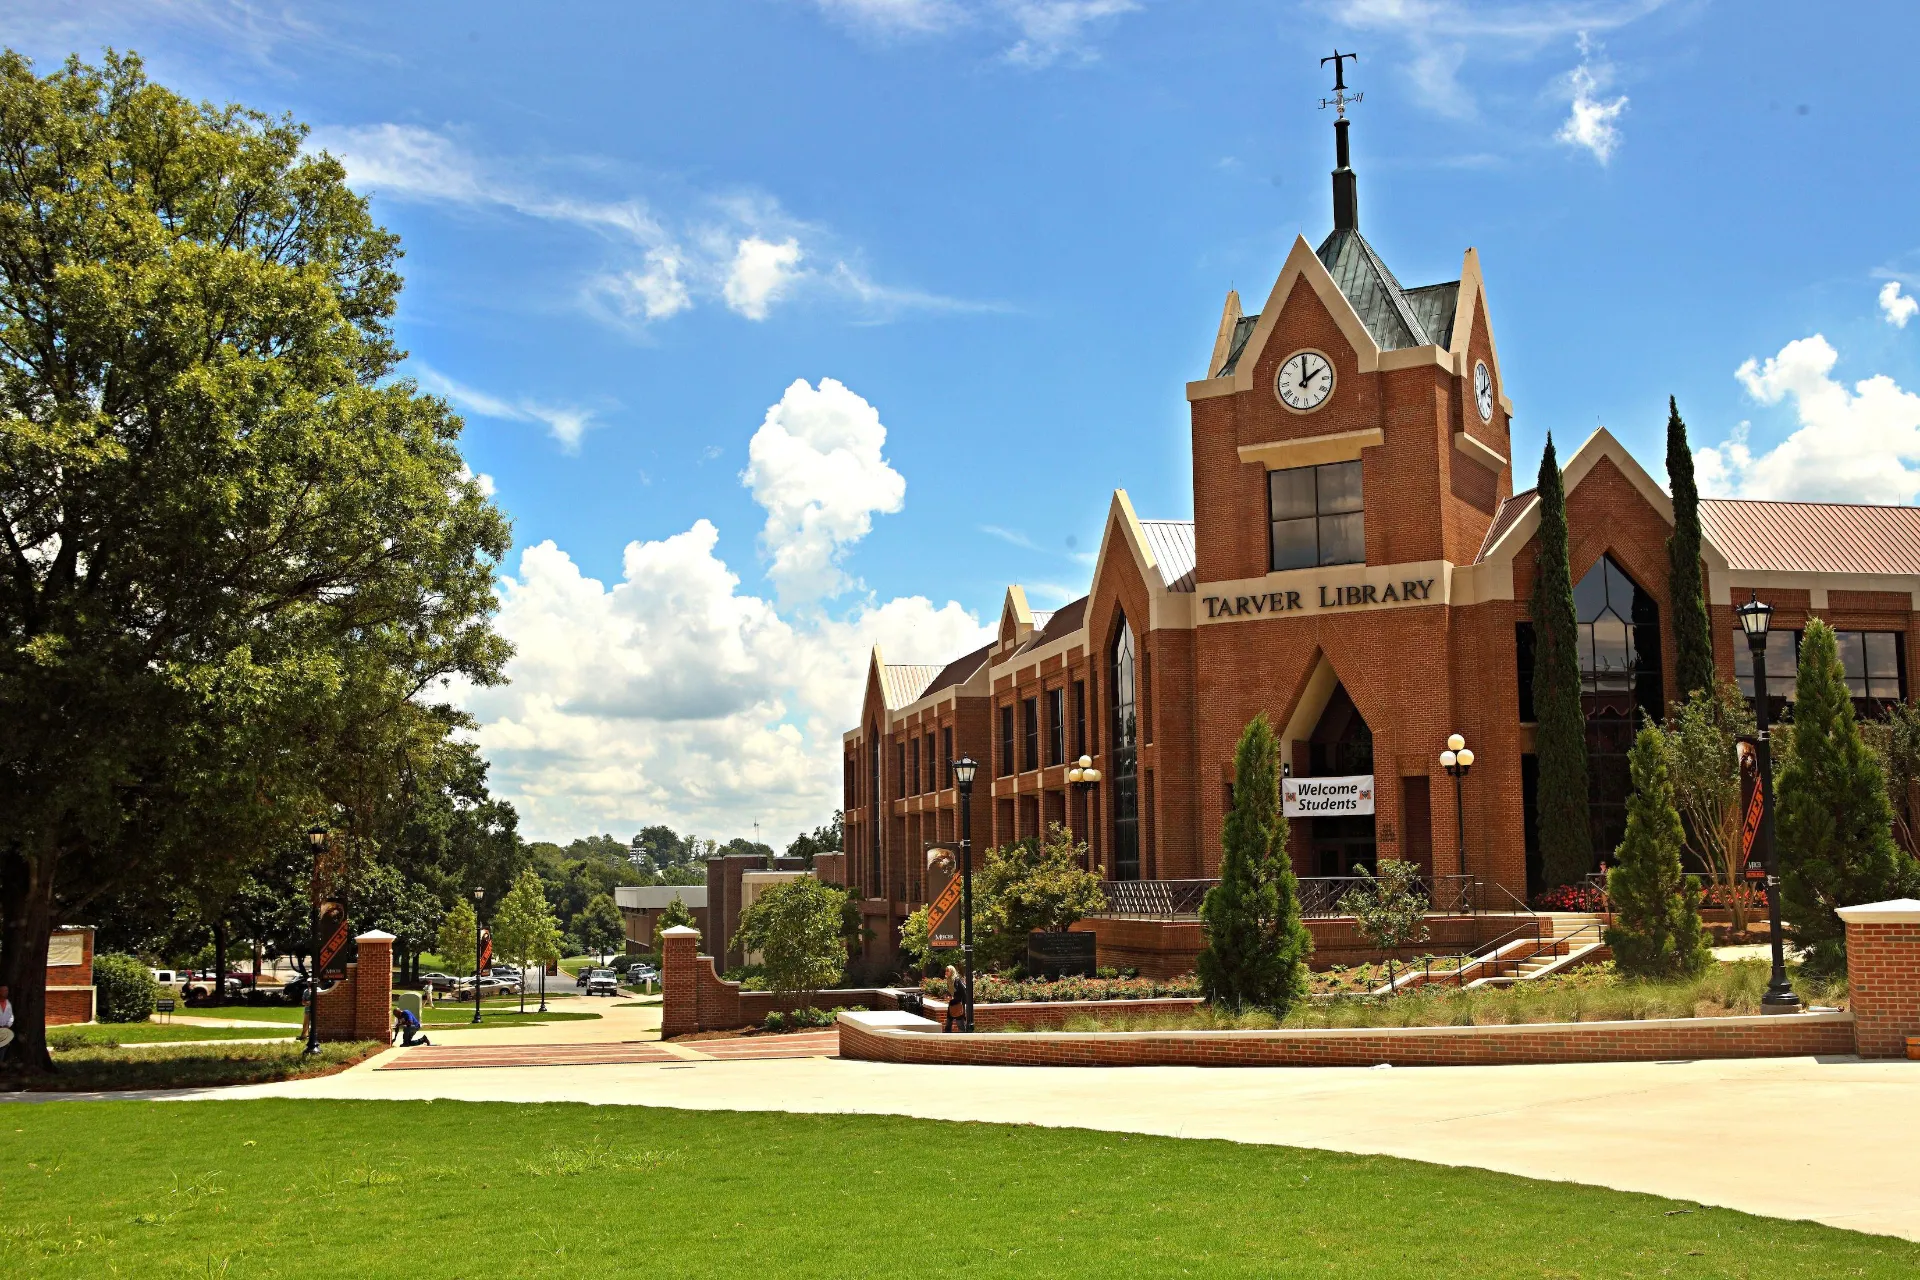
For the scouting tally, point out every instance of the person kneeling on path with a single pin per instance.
(406, 1028)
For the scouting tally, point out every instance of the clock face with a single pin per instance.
(1483, 390)
(1305, 380)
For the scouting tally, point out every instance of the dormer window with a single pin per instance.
(1317, 516)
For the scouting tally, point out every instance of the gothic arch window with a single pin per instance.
(1126, 756)
(1620, 681)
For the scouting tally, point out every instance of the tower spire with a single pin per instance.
(1346, 189)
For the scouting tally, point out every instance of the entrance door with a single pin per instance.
(1340, 745)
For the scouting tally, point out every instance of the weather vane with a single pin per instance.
(1340, 97)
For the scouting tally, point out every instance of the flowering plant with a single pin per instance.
(1750, 896)
(1571, 897)
(994, 989)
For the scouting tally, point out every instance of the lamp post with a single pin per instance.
(316, 841)
(1756, 618)
(963, 770)
(1456, 760)
(1083, 775)
(478, 894)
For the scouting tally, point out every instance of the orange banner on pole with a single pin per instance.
(943, 909)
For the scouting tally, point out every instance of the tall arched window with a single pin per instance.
(1126, 759)
(1619, 642)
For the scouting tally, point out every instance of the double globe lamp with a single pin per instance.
(1456, 760)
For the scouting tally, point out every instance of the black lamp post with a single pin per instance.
(1083, 775)
(1756, 617)
(1456, 760)
(478, 894)
(963, 770)
(316, 841)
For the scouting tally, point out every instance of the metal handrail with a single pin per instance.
(1319, 896)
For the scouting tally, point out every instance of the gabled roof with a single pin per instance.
(1813, 537)
(959, 671)
(901, 683)
(1173, 551)
(1063, 621)
(1384, 306)
(1511, 509)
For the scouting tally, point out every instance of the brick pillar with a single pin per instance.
(1883, 975)
(373, 986)
(679, 981)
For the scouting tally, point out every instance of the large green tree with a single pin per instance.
(1256, 944)
(1566, 842)
(1834, 822)
(524, 928)
(1686, 594)
(794, 927)
(1656, 930)
(235, 543)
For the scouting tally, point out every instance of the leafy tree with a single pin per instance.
(457, 940)
(1686, 595)
(240, 551)
(1895, 740)
(677, 916)
(1031, 886)
(1834, 822)
(524, 929)
(1566, 842)
(1389, 909)
(123, 989)
(916, 940)
(1656, 930)
(1701, 744)
(795, 928)
(1256, 945)
(823, 839)
(600, 929)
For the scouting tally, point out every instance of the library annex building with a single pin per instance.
(1358, 567)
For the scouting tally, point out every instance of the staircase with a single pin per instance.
(1566, 940)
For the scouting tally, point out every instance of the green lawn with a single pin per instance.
(153, 1033)
(90, 1067)
(503, 1011)
(450, 1189)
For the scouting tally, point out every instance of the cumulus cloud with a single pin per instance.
(1858, 444)
(565, 423)
(762, 273)
(1593, 122)
(896, 17)
(673, 695)
(815, 467)
(1896, 307)
(1052, 29)
(1043, 31)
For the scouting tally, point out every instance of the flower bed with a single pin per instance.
(1571, 897)
(991, 988)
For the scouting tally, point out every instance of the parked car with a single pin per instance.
(642, 973)
(488, 987)
(439, 982)
(603, 982)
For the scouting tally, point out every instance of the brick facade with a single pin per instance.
(70, 991)
(1883, 975)
(360, 1006)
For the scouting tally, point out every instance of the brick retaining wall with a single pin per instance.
(695, 998)
(1778, 1036)
(1883, 974)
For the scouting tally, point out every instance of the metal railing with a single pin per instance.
(1319, 897)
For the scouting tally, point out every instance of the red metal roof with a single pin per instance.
(1813, 537)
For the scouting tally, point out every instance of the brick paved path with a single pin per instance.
(812, 1044)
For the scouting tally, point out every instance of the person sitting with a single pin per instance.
(406, 1027)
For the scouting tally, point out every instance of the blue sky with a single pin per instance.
(1004, 229)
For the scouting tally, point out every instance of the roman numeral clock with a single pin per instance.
(1305, 381)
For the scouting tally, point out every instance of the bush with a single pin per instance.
(1571, 897)
(123, 989)
(775, 1021)
(998, 989)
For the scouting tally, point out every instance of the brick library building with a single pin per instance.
(1358, 567)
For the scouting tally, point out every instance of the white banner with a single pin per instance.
(1326, 797)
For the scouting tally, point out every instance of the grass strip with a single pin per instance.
(92, 1068)
(113, 1033)
(447, 1189)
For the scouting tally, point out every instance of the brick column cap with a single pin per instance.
(1898, 911)
(376, 935)
(679, 931)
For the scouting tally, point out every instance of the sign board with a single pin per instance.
(486, 950)
(333, 940)
(943, 898)
(1752, 864)
(66, 949)
(1327, 797)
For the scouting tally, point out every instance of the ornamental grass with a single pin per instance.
(1595, 994)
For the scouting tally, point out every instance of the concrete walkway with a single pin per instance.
(1836, 1141)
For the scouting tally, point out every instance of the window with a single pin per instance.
(900, 770)
(1126, 798)
(1006, 739)
(1056, 726)
(1874, 663)
(913, 764)
(1030, 733)
(946, 756)
(1079, 718)
(1618, 637)
(1146, 697)
(933, 776)
(1317, 516)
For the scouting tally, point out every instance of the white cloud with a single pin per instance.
(1593, 122)
(1051, 29)
(564, 423)
(671, 695)
(896, 17)
(1898, 308)
(482, 479)
(762, 273)
(1852, 445)
(816, 468)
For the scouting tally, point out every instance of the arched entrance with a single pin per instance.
(1341, 744)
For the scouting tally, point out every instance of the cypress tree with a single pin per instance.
(1686, 597)
(1834, 822)
(1566, 841)
(1256, 945)
(1656, 930)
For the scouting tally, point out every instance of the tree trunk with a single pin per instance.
(26, 921)
(219, 962)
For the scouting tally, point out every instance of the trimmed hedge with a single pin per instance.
(124, 991)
